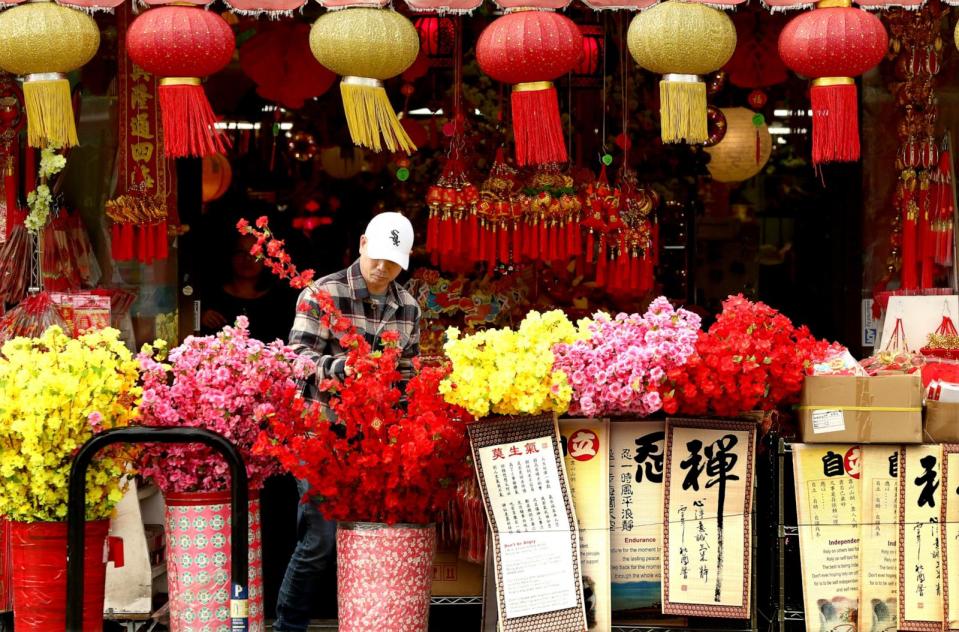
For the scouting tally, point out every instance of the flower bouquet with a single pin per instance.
(619, 367)
(752, 358)
(383, 467)
(236, 386)
(55, 394)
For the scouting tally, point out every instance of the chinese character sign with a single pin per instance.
(536, 541)
(920, 538)
(879, 537)
(828, 490)
(707, 517)
(636, 455)
(950, 533)
(586, 448)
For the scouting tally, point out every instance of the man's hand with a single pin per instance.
(212, 319)
(339, 370)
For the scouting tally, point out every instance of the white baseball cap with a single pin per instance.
(390, 236)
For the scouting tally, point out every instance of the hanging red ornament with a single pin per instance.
(437, 35)
(587, 73)
(529, 49)
(182, 44)
(757, 99)
(831, 45)
(279, 61)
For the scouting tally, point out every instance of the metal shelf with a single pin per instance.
(456, 601)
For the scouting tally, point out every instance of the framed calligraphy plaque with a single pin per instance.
(950, 535)
(828, 492)
(879, 537)
(536, 548)
(920, 550)
(707, 517)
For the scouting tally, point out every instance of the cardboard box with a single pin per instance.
(453, 577)
(849, 409)
(942, 422)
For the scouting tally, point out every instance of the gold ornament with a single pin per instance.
(41, 42)
(734, 158)
(367, 46)
(682, 41)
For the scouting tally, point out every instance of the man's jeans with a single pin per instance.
(315, 552)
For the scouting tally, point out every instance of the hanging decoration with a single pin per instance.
(367, 46)
(831, 45)
(41, 42)
(529, 49)
(745, 148)
(453, 232)
(182, 44)
(587, 74)
(278, 59)
(437, 34)
(682, 41)
(12, 120)
(217, 176)
(756, 62)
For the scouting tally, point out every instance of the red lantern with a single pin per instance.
(181, 44)
(830, 45)
(437, 35)
(529, 49)
(587, 71)
(279, 60)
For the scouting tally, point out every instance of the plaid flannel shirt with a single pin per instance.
(401, 313)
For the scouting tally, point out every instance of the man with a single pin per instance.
(366, 293)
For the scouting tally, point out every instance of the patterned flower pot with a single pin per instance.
(39, 551)
(198, 562)
(384, 574)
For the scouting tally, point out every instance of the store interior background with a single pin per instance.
(810, 243)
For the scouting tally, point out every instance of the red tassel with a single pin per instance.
(635, 274)
(503, 243)
(162, 250)
(537, 126)
(544, 253)
(590, 246)
(575, 239)
(646, 274)
(909, 261)
(141, 243)
(835, 125)
(127, 240)
(601, 263)
(516, 254)
(431, 232)
(491, 247)
(472, 237)
(116, 247)
(927, 240)
(532, 241)
(188, 122)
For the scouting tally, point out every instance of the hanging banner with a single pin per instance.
(950, 535)
(529, 507)
(828, 511)
(920, 512)
(707, 517)
(586, 449)
(879, 538)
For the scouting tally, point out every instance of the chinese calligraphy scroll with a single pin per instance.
(828, 491)
(950, 535)
(536, 546)
(707, 516)
(586, 448)
(879, 538)
(920, 554)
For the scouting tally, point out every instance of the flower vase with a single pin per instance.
(198, 562)
(384, 575)
(39, 552)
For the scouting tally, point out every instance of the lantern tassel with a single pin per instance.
(537, 126)
(188, 120)
(49, 111)
(682, 108)
(370, 116)
(835, 123)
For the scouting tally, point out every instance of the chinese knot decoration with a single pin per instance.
(682, 41)
(367, 46)
(529, 49)
(453, 230)
(41, 42)
(832, 44)
(181, 44)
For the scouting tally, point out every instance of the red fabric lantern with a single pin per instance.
(529, 49)
(587, 71)
(830, 45)
(181, 44)
(278, 59)
(755, 63)
(436, 35)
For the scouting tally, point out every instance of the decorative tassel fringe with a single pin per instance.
(537, 126)
(835, 123)
(49, 113)
(370, 115)
(188, 121)
(682, 108)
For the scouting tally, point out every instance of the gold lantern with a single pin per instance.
(41, 42)
(744, 150)
(682, 41)
(367, 46)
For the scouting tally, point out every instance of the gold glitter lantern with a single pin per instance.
(682, 41)
(367, 46)
(744, 149)
(41, 42)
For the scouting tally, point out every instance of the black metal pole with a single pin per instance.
(76, 512)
